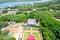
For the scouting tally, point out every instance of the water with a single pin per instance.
(10, 4)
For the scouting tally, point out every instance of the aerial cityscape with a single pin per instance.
(29, 19)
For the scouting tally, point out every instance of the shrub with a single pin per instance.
(12, 38)
(3, 24)
(5, 11)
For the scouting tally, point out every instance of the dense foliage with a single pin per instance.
(47, 34)
(3, 24)
(5, 11)
(34, 15)
(47, 5)
(50, 27)
(16, 18)
(21, 18)
(4, 35)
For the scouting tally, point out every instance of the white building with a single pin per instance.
(31, 22)
(11, 12)
(1, 11)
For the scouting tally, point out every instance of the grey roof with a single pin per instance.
(0, 11)
(31, 22)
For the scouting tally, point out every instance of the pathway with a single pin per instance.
(41, 37)
(30, 31)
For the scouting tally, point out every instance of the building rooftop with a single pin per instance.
(0, 11)
(31, 22)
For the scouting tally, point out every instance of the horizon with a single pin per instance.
(8, 4)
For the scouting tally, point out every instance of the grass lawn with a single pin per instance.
(37, 35)
(26, 35)
(35, 28)
(27, 28)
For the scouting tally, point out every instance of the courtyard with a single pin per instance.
(20, 32)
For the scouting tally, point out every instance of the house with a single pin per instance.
(11, 11)
(31, 22)
(12, 22)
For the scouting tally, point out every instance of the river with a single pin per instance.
(10, 4)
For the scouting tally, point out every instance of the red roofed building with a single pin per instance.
(31, 37)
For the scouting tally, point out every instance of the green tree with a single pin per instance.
(5, 32)
(3, 24)
(12, 38)
(8, 17)
(5, 11)
(1, 38)
(21, 18)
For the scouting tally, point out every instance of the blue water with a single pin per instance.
(3, 5)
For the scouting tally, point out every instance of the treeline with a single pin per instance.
(54, 5)
(49, 27)
(48, 5)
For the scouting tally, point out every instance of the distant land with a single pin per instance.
(4, 1)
